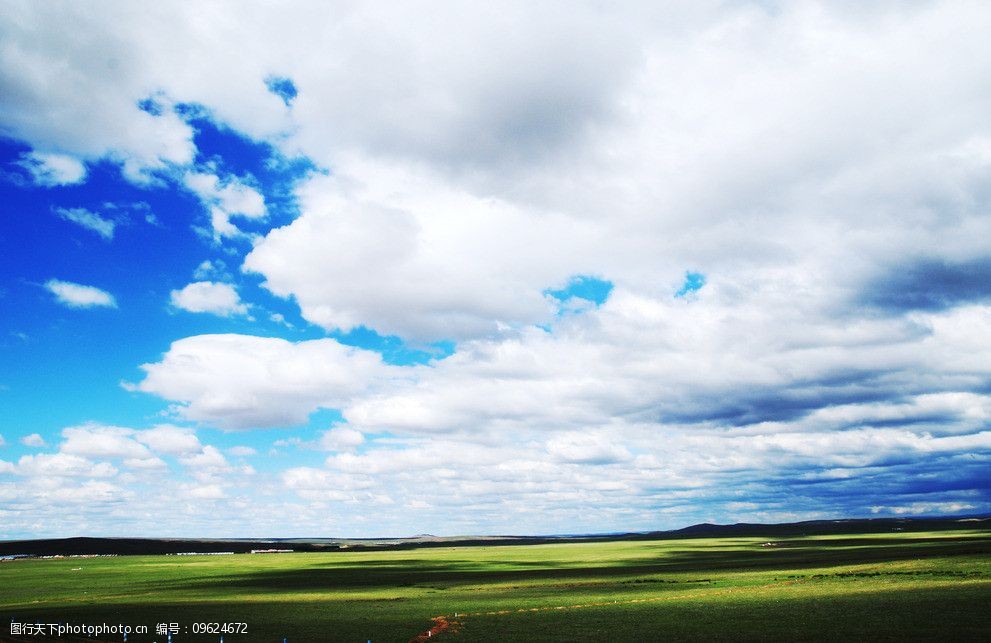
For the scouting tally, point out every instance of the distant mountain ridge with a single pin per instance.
(81, 546)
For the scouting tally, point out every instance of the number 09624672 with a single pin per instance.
(220, 628)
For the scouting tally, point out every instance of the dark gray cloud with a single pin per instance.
(912, 420)
(953, 473)
(746, 406)
(921, 481)
(930, 285)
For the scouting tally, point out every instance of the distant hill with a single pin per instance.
(824, 527)
(144, 546)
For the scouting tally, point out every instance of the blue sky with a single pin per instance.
(375, 272)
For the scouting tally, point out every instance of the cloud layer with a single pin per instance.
(788, 204)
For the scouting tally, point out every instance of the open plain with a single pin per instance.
(903, 585)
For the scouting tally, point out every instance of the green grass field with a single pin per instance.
(926, 585)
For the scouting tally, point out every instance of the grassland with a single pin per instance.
(897, 586)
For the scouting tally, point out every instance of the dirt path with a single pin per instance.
(442, 623)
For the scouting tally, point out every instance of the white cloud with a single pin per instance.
(415, 258)
(586, 448)
(237, 381)
(89, 220)
(341, 438)
(209, 297)
(134, 448)
(63, 465)
(211, 271)
(320, 484)
(49, 169)
(208, 459)
(79, 296)
(225, 200)
(511, 170)
(206, 492)
(130, 446)
(146, 464)
(98, 441)
(476, 234)
(241, 451)
(923, 508)
(171, 440)
(92, 111)
(234, 197)
(90, 491)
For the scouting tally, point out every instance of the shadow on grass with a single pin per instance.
(811, 553)
(438, 573)
(957, 613)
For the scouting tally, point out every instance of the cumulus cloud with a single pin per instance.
(208, 459)
(320, 484)
(89, 492)
(172, 440)
(146, 464)
(63, 465)
(226, 199)
(472, 249)
(505, 176)
(341, 438)
(213, 270)
(664, 361)
(209, 297)
(233, 196)
(432, 264)
(79, 296)
(99, 441)
(50, 169)
(206, 492)
(112, 475)
(89, 220)
(638, 405)
(108, 121)
(586, 448)
(237, 381)
(134, 448)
